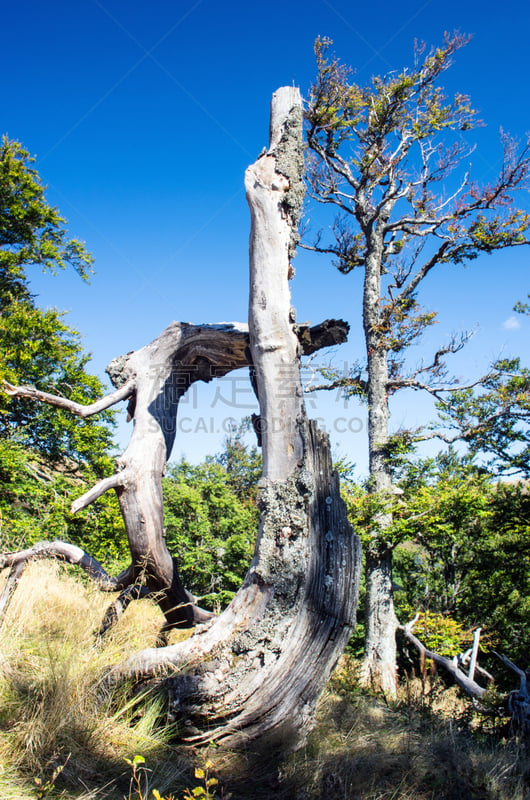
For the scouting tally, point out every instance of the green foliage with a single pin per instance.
(365, 508)
(31, 231)
(440, 633)
(37, 348)
(46, 454)
(522, 308)
(465, 550)
(35, 504)
(30, 506)
(242, 463)
(494, 418)
(496, 589)
(441, 511)
(397, 451)
(210, 529)
(461, 547)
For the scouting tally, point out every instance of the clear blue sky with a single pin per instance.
(144, 116)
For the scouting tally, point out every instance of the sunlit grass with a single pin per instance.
(426, 746)
(52, 710)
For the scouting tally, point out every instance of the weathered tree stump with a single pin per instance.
(254, 673)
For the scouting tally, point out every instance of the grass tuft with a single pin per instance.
(51, 714)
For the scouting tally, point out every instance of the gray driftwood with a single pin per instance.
(255, 672)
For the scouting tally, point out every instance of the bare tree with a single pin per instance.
(255, 672)
(380, 158)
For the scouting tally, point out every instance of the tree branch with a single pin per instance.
(507, 663)
(343, 383)
(15, 573)
(62, 402)
(71, 553)
(423, 271)
(326, 334)
(518, 700)
(472, 430)
(413, 383)
(64, 552)
(118, 479)
(454, 346)
(464, 681)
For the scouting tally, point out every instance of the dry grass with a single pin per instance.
(363, 749)
(50, 710)
(427, 746)
(421, 748)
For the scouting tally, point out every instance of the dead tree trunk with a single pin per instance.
(255, 672)
(153, 379)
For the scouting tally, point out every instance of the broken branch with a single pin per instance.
(464, 681)
(62, 402)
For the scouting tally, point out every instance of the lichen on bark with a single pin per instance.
(289, 153)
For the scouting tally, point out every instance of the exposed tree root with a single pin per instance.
(116, 609)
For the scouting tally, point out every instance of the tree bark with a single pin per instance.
(379, 661)
(255, 673)
(286, 627)
(378, 670)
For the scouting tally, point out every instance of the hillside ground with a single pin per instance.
(61, 738)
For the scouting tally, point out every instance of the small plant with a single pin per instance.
(345, 678)
(205, 792)
(43, 788)
(137, 791)
(137, 778)
(440, 632)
